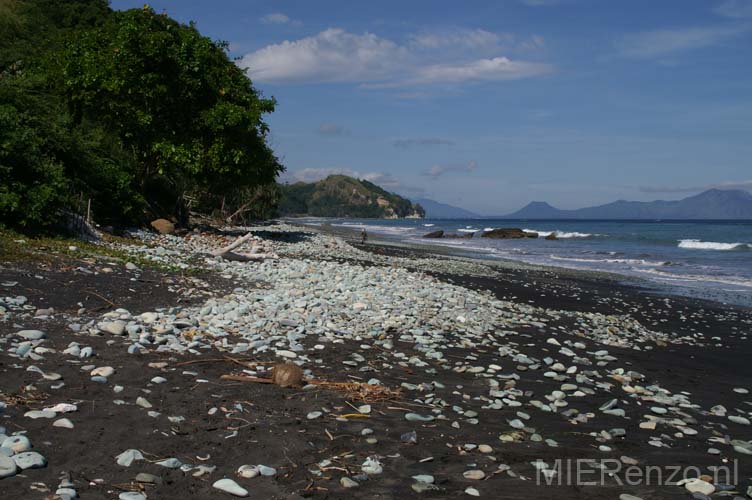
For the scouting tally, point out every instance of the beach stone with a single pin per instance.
(346, 482)
(18, 444)
(35, 414)
(627, 496)
(8, 467)
(63, 423)
(131, 495)
(103, 371)
(699, 486)
(314, 415)
(409, 437)
(170, 463)
(31, 334)
(474, 474)
(144, 477)
(372, 466)
(113, 327)
(66, 493)
(738, 419)
(143, 402)
(231, 487)
(421, 487)
(29, 460)
(473, 492)
(248, 471)
(128, 457)
(414, 417)
(267, 471)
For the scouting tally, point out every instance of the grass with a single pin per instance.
(15, 247)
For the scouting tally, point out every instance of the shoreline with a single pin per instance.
(639, 284)
(503, 373)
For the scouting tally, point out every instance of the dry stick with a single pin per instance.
(103, 298)
(241, 378)
(226, 359)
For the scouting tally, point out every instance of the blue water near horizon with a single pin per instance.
(701, 255)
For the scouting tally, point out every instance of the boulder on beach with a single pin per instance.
(163, 226)
(552, 236)
(435, 234)
(509, 232)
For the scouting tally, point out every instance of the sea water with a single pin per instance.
(694, 255)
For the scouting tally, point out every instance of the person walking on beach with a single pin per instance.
(363, 236)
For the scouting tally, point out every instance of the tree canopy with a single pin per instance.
(129, 108)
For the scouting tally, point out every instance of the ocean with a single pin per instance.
(692, 256)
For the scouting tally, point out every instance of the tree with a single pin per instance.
(191, 116)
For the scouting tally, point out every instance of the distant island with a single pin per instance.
(437, 210)
(344, 196)
(710, 204)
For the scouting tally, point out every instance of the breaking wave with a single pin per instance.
(712, 245)
(560, 234)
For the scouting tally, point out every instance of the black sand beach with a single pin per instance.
(272, 425)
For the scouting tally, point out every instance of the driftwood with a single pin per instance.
(232, 246)
(360, 391)
(228, 254)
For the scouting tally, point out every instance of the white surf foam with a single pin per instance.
(560, 234)
(712, 245)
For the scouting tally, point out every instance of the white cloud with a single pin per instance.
(737, 9)
(437, 171)
(664, 42)
(335, 55)
(497, 68)
(276, 18)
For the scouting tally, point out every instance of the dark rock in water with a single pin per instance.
(435, 234)
(163, 226)
(510, 232)
(552, 236)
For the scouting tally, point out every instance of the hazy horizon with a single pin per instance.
(491, 105)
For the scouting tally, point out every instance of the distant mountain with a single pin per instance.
(436, 210)
(343, 196)
(711, 204)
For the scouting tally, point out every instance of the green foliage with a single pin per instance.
(342, 196)
(129, 109)
(191, 115)
(33, 179)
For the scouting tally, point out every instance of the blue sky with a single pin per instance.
(491, 104)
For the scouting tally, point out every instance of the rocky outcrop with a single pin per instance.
(435, 234)
(509, 233)
(552, 236)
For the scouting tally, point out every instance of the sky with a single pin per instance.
(489, 105)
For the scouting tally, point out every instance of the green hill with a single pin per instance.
(343, 196)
